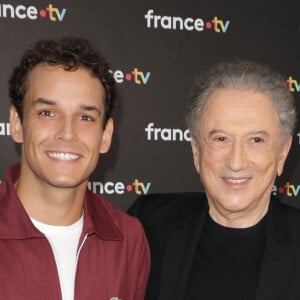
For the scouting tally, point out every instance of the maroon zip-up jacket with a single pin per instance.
(113, 260)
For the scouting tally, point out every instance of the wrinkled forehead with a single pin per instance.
(239, 111)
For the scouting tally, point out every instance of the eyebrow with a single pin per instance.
(90, 108)
(263, 132)
(53, 103)
(44, 101)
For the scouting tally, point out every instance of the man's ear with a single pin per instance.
(16, 129)
(195, 149)
(107, 136)
(284, 151)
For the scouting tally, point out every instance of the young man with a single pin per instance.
(235, 241)
(57, 239)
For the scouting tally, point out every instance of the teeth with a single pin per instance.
(63, 156)
(237, 181)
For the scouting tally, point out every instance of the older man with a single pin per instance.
(235, 241)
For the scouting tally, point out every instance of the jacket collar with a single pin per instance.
(180, 250)
(99, 220)
(279, 259)
(16, 224)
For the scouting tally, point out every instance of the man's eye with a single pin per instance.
(86, 118)
(219, 139)
(46, 113)
(257, 140)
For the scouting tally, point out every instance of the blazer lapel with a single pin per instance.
(179, 254)
(278, 263)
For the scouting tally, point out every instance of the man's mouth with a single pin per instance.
(237, 180)
(63, 155)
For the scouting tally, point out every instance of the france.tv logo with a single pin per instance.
(293, 84)
(138, 187)
(137, 76)
(288, 189)
(4, 129)
(31, 12)
(190, 24)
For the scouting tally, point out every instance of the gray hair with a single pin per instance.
(242, 75)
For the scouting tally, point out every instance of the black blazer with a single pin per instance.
(173, 224)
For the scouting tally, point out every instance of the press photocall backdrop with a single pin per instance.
(156, 49)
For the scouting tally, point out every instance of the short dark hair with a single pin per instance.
(70, 53)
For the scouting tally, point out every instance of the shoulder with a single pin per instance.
(293, 224)
(129, 226)
(293, 218)
(286, 221)
(4, 187)
(167, 207)
(128, 237)
(290, 213)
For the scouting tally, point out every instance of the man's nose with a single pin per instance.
(237, 156)
(66, 130)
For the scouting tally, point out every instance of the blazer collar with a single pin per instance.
(278, 262)
(180, 251)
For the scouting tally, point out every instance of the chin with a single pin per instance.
(65, 183)
(235, 205)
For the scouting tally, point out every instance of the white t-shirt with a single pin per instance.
(64, 242)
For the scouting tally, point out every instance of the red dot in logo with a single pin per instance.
(129, 188)
(208, 25)
(128, 76)
(43, 13)
(281, 190)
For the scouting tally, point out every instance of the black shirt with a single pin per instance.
(227, 262)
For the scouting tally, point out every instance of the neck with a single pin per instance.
(52, 205)
(238, 219)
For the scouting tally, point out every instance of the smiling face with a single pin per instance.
(62, 129)
(239, 154)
